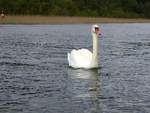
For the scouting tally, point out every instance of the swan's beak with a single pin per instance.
(99, 34)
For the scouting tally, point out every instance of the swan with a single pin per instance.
(83, 58)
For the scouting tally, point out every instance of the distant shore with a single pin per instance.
(66, 20)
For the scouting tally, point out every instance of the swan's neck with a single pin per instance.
(95, 50)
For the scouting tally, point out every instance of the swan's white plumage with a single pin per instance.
(80, 58)
(84, 58)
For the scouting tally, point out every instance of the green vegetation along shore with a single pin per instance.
(84, 8)
(66, 20)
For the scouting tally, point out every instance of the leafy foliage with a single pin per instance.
(106, 8)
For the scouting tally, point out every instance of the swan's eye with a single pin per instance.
(96, 29)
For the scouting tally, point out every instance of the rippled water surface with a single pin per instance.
(35, 77)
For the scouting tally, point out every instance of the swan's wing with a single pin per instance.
(85, 53)
(80, 58)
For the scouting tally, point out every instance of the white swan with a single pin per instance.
(84, 58)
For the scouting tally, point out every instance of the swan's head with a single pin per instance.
(96, 30)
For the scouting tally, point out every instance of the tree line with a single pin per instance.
(92, 8)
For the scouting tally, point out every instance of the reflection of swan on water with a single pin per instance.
(84, 58)
(84, 88)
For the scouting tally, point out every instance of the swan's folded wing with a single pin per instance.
(85, 53)
(80, 58)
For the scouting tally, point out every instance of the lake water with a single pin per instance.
(35, 77)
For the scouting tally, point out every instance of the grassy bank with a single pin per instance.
(66, 20)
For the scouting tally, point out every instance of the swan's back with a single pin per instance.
(80, 58)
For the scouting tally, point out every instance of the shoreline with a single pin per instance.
(19, 19)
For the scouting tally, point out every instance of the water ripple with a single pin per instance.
(35, 76)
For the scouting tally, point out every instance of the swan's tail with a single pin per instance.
(68, 55)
